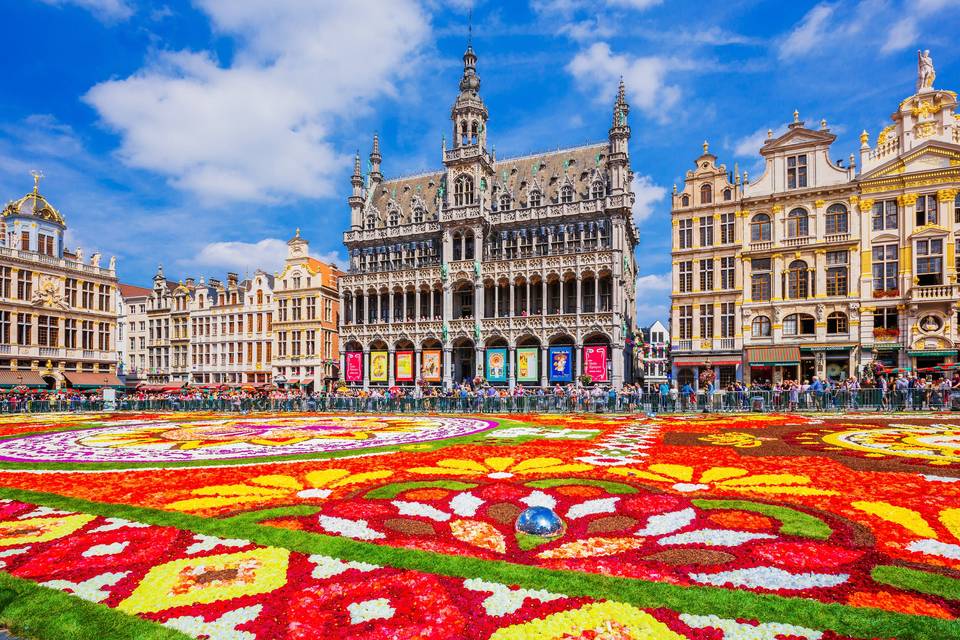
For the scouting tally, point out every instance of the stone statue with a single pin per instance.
(79, 254)
(925, 71)
(95, 259)
(113, 263)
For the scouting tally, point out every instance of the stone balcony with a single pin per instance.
(934, 292)
(488, 326)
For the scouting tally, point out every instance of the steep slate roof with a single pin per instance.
(548, 171)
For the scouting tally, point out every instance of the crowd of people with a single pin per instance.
(881, 393)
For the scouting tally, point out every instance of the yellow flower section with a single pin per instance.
(603, 618)
(273, 487)
(906, 518)
(178, 583)
(40, 529)
(467, 467)
(729, 478)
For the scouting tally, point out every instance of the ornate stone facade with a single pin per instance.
(57, 312)
(490, 254)
(831, 269)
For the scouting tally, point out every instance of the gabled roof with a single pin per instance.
(797, 136)
(929, 155)
(133, 291)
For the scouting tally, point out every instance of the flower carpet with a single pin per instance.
(262, 526)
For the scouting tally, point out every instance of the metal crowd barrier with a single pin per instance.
(836, 400)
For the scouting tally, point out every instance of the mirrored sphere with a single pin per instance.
(540, 521)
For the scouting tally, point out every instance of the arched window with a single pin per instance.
(685, 201)
(566, 194)
(474, 134)
(799, 324)
(535, 198)
(259, 297)
(798, 223)
(728, 194)
(463, 132)
(837, 323)
(457, 246)
(468, 246)
(760, 228)
(706, 194)
(371, 222)
(597, 190)
(505, 202)
(418, 214)
(394, 218)
(798, 280)
(761, 327)
(837, 219)
(463, 191)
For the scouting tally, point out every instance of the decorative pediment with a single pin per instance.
(797, 137)
(929, 231)
(928, 157)
(884, 238)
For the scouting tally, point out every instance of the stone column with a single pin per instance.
(416, 364)
(478, 301)
(543, 366)
(819, 274)
(511, 372)
(777, 277)
(479, 365)
(528, 306)
(447, 366)
(579, 294)
(447, 302)
(512, 311)
(496, 299)
(578, 369)
(617, 361)
(343, 363)
(391, 355)
(391, 295)
(366, 368)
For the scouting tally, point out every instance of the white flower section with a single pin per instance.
(590, 507)
(733, 630)
(504, 600)
(930, 478)
(465, 504)
(118, 523)
(714, 537)
(222, 628)
(92, 589)
(357, 529)
(111, 549)
(207, 543)
(378, 609)
(548, 434)
(327, 567)
(40, 512)
(665, 523)
(6, 553)
(690, 487)
(314, 493)
(539, 499)
(770, 578)
(936, 548)
(420, 509)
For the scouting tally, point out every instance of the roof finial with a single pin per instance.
(470, 27)
(297, 234)
(37, 175)
(796, 115)
(706, 146)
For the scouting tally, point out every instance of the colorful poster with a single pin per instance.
(404, 366)
(378, 366)
(595, 362)
(528, 364)
(561, 364)
(496, 365)
(430, 369)
(354, 365)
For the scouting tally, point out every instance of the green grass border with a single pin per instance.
(704, 600)
(30, 610)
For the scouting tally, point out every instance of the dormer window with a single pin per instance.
(727, 195)
(596, 191)
(371, 223)
(706, 194)
(418, 214)
(394, 218)
(566, 194)
(797, 171)
(535, 198)
(463, 191)
(685, 201)
(505, 202)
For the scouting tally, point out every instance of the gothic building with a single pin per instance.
(517, 270)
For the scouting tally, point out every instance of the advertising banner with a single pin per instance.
(378, 366)
(561, 364)
(595, 362)
(430, 369)
(496, 365)
(354, 365)
(404, 371)
(528, 364)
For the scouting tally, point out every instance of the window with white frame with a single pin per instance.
(929, 269)
(886, 264)
(797, 171)
(884, 215)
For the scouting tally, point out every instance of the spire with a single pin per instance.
(470, 82)
(375, 159)
(622, 97)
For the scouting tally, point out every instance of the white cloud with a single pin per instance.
(104, 10)
(901, 35)
(653, 283)
(242, 257)
(646, 194)
(597, 70)
(633, 4)
(653, 296)
(259, 128)
(749, 146)
(809, 33)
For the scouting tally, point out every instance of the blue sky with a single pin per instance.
(200, 134)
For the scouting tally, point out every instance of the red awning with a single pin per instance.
(92, 380)
(293, 381)
(306, 381)
(21, 378)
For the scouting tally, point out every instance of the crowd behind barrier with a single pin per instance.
(881, 394)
